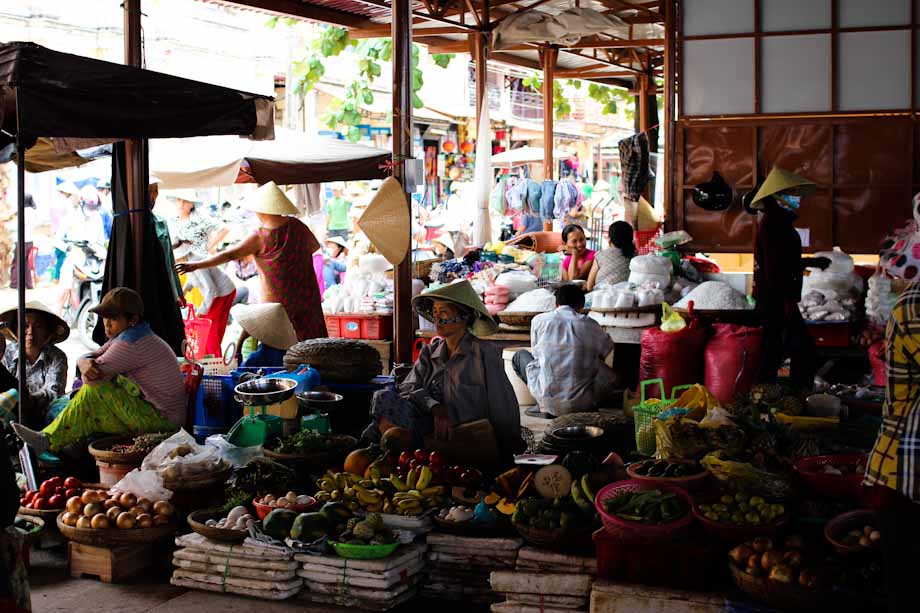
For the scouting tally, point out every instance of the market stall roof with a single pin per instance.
(525, 155)
(71, 97)
(292, 158)
(444, 25)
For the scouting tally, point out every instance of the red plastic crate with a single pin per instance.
(360, 326)
(690, 564)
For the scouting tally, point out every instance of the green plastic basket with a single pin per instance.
(363, 552)
(645, 413)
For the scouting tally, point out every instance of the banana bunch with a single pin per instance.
(381, 495)
(583, 492)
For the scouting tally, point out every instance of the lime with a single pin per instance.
(727, 499)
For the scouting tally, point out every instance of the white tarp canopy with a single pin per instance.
(525, 155)
(293, 158)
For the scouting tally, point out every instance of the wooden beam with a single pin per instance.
(591, 74)
(301, 10)
(549, 57)
(615, 43)
(383, 30)
(507, 58)
(437, 44)
(422, 14)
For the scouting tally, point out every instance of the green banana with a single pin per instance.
(580, 498)
(399, 484)
(587, 488)
(340, 481)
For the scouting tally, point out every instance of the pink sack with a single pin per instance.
(675, 357)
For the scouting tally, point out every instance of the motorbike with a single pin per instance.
(86, 291)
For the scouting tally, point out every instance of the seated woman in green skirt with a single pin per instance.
(132, 384)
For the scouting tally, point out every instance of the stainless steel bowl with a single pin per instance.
(319, 401)
(262, 392)
(578, 433)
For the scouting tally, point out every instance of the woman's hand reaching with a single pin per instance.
(186, 267)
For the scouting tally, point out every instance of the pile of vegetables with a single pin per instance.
(742, 510)
(561, 513)
(649, 507)
(865, 537)
(367, 531)
(99, 510)
(143, 443)
(290, 499)
(667, 469)
(261, 476)
(52, 494)
(307, 441)
(786, 564)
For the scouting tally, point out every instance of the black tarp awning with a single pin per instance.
(64, 95)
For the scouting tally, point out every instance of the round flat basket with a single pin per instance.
(655, 309)
(558, 540)
(47, 515)
(518, 319)
(198, 482)
(628, 530)
(690, 482)
(37, 527)
(468, 528)
(102, 450)
(108, 537)
(783, 596)
(197, 519)
(363, 552)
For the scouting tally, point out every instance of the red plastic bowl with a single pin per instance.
(628, 530)
(840, 525)
(833, 486)
(262, 510)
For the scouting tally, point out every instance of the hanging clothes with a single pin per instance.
(565, 198)
(547, 202)
(534, 191)
(634, 168)
(497, 197)
(516, 195)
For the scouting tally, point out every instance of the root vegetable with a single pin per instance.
(74, 504)
(84, 522)
(762, 544)
(162, 520)
(864, 541)
(127, 500)
(93, 509)
(89, 496)
(161, 507)
(291, 497)
(770, 558)
(125, 521)
(145, 504)
(740, 554)
(793, 559)
(109, 503)
(69, 518)
(875, 536)
(781, 573)
(144, 520)
(112, 513)
(99, 522)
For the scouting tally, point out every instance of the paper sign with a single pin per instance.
(805, 235)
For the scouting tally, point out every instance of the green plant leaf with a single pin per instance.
(354, 134)
(443, 59)
(417, 102)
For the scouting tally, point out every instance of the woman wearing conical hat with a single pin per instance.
(283, 248)
(778, 272)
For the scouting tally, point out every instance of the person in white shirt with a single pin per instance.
(218, 293)
(566, 372)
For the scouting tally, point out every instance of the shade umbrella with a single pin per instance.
(525, 155)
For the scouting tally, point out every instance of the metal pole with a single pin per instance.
(401, 32)
(549, 66)
(21, 255)
(135, 150)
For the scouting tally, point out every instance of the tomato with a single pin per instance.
(59, 491)
(47, 489)
(56, 502)
(435, 459)
(28, 496)
(57, 481)
(72, 483)
(40, 503)
(68, 494)
(414, 464)
(420, 455)
(404, 458)
(24, 502)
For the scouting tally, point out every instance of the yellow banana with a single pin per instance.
(399, 484)
(340, 481)
(412, 478)
(387, 506)
(437, 490)
(335, 495)
(415, 494)
(352, 479)
(407, 505)
(328, 485)
(424, 478)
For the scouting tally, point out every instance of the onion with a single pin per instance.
(113, 512)
(740, 554)
(109, 503)
(74, 504)
(162, 520)
(69, 518)
(161, 507)
(127, 500)
(145, 504)
(144, 521)
(875, 536)
(125, 521)
(84, 522)
(770, 558)
(89, 496)
(99, 522)
(93, 509)
(762, 544)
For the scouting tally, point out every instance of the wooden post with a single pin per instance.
(401, 32)
(135, 150)
(549, 65)
(667, 122)
(21, 269)
(643, 103)
(478, 51)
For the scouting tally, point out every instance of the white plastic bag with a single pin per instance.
(715, 417)
(143, 484)
(517, 282)
(651, 265)
(238, 456)
(181, 457)
(626, 300)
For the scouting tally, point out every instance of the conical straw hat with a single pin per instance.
(461, 293)
(386, 221)
(269, 199)
(780, 180)
(267, 322)
(59, 329)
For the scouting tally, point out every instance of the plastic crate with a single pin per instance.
(645, 241)
(360, 326)
(646, 411)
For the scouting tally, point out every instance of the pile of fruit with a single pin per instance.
(393, 495)
(561, 513)
(329, 521)
(760, 558)
(52, 494)
(667, 469)
(367, 531)
(290, 499)
(650, 507)
(99, 510)
(441, 474)
(866, 537)
(742, 510)
(237, 519)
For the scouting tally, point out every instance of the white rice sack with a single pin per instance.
(535, 301)
(840, 262)
(517, 282)
(714, 296)
(652, 265)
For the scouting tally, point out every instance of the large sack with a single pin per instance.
(675, 357)
(732, 359)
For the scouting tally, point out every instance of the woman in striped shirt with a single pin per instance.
(132, 384)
